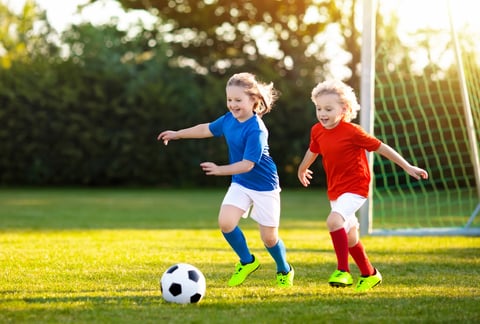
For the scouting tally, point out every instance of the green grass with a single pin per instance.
(96, 256)
(419, 209)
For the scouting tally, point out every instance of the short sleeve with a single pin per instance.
(216, 127)
(365, 140)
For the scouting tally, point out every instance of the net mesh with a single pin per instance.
(420, 113)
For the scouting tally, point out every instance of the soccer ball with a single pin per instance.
(183, 283)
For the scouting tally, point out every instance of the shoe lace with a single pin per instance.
(238, 269)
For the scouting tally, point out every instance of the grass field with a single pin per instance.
(96, 256)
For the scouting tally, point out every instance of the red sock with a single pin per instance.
(361, 259)
(340, 245)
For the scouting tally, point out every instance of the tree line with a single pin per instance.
(90, 116)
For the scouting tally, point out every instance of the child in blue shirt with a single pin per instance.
(255, 183)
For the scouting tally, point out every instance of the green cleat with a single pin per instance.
(366, 283)
(285, 280)
(242, 271)
(340, 279)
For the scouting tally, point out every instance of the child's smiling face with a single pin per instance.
(329, 110)
(239, 103)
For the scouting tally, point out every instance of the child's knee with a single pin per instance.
(226, 224)
(270, 241)
(269, 236)
(335, 221)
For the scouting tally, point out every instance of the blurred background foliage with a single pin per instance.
(85, 107)
(91, 116)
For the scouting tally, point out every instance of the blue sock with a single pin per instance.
(237, 241)
(279, 254)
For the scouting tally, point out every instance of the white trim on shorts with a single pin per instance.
(265, 204)
(347, 205)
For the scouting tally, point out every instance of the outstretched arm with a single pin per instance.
(304, 174)
(198, 131)
(211, 168)
(393, 156)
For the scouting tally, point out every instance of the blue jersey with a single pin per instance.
(248, 140)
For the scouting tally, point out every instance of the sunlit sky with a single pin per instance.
(62, 13)
(413, 14)
(416, 14)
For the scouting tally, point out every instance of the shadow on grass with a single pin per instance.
(427, 281)
(293, 306)
(402, 296)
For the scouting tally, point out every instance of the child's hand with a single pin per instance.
(417, 173)
(209, 168)
(167, 136)
(305, 177)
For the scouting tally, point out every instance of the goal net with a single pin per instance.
(425, 82)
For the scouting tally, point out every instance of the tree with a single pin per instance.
(220, 35)
(278, 40)
(91, 117)
(25, 36)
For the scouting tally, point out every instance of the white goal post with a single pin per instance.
(367, 102)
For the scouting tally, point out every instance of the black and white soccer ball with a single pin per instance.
(183, 283)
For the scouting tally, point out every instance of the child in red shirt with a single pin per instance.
(343, 147)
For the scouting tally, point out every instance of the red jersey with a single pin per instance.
(343, 150)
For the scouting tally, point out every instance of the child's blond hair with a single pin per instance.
(265, 94)
(345, 93)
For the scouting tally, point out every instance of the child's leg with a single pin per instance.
(275, 247)
(339, 237)
(357, 251)
(237, 241)
(228, 221)
(371, 277)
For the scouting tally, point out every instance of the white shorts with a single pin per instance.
(265, 204)
(347, 205)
